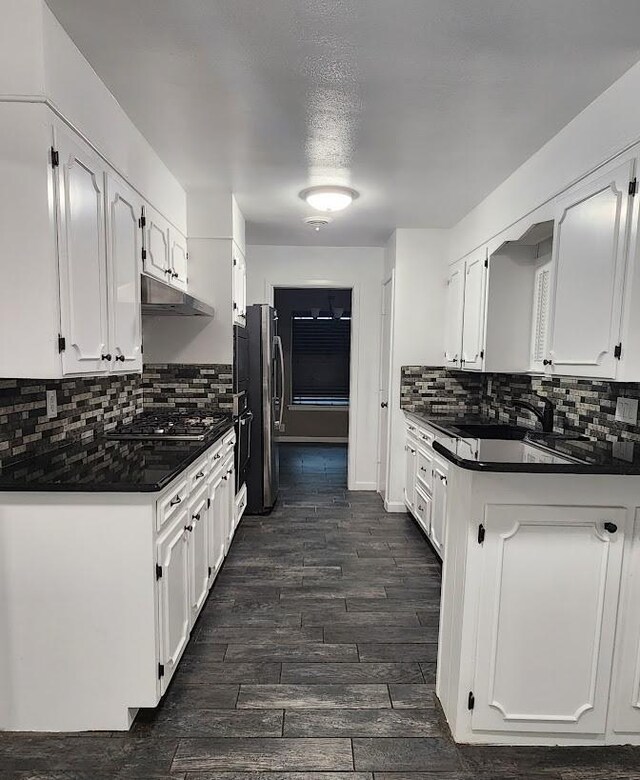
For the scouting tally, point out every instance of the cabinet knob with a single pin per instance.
(174, 274)
(610, 527)
(384, 405)
(188, 528)
(196, 516)
(217, 456)
(199, 475)
(120, 357)
(106, 357)
(546, 362)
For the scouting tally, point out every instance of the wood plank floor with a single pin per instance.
(314, 659)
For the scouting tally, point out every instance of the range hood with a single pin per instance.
(159, 298)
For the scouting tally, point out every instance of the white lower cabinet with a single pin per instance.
(547, 618)
(217, 538)
(411, 452)
(439, 510)
(173, 596)
(198, 528)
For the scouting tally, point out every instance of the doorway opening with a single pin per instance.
(314, 324)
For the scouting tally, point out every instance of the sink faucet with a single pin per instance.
(545, 416)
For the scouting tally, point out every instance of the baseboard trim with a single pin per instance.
(312, 440)
(395, 506)
(363, 486)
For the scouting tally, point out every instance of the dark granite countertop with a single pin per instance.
(107, 465)
(537, 452)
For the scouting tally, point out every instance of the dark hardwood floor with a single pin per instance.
(314, 657)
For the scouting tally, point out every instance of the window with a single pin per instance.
(320, 348)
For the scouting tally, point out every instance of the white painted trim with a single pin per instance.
(312, 439)
(318, 408)
(270, 288)
(395, 506)
(369, 486)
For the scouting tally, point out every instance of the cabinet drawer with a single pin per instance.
(171, 503)
(426, 437)
(424, 471)
(423, 510)
(197, 475)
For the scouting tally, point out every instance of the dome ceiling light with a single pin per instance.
(329, 198)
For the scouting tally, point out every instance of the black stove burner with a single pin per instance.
(193, 425)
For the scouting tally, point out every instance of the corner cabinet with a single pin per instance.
(454, 315)
(239, 287)
(465, 314)
(164, 253)
(590, 250)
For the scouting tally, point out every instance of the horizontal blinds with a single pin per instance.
(320, 360)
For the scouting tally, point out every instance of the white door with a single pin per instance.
(156, 246)
(626, 698)
(454, 315)
(384, 389)
(217, 524)
(82, 257)
(239, 287)
(198, 540)
(439, 507)
(175, 612)
(124, 251)
(589, 258)
(473, 321)
(410, 475)
(546, 618)
(179, 259)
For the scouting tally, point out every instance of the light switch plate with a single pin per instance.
(52, 404)
(627, 410)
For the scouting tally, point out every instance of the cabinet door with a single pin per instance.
(454, 316)
(198, 527)
(124, 252)
(439, 508)
(239, 287)
(546, 618)
(626, 701)
(156, 246)
(217, 538)
(424, 506)
(540, 323)
(175, 613)
(473, 321)
(179, 259)
(229, 490)
(411, 460)
(82, 257)
(589, 253)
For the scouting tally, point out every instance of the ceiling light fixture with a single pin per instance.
(329, 198)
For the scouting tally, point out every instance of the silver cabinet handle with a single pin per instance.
(174, 501)
(199, 475)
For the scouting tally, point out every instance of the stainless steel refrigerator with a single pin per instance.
(266, 400)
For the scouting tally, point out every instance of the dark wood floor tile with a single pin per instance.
(334, 591)
(263, 755)
(320, 696)
(374, 619)
(219, 673)
(210, 697)
(221, 775)
(430, 618)
(411, 696)
(351, 673)
(245, 618)
(282, 652)
(378, 634)
(191, 723)
(319, 614)
(428, 672)
(427, 652)
(212, 653)
(361, 723)
(439, 775)
(261, 634)
(389, 605)
(401, 593)
(401, 755)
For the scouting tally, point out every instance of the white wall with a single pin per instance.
(606, 127)
(419, 260)
(359, 268)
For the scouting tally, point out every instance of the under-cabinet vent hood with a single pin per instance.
(160, 299)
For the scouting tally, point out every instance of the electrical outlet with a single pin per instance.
(52, 404)
(627, 410)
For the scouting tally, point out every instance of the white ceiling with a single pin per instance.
(424, 106)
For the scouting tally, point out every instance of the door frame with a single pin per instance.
(271, 287)
(384, 468)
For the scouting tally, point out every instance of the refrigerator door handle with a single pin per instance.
(281, 362)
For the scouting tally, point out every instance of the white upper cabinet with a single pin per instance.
(589, 264)
(541, 313)
(124, 251)
(179, 257)
(82, 257)
(454, 315)
(156, 254)
(239, 287)
(536, 670)
(474, 308)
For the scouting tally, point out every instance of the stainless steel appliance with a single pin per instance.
(160, 298)
(193, 425)
(266, 397)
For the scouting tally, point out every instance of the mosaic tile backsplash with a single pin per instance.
(90, 406)
(586, 406)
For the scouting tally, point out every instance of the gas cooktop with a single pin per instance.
(194, 425)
